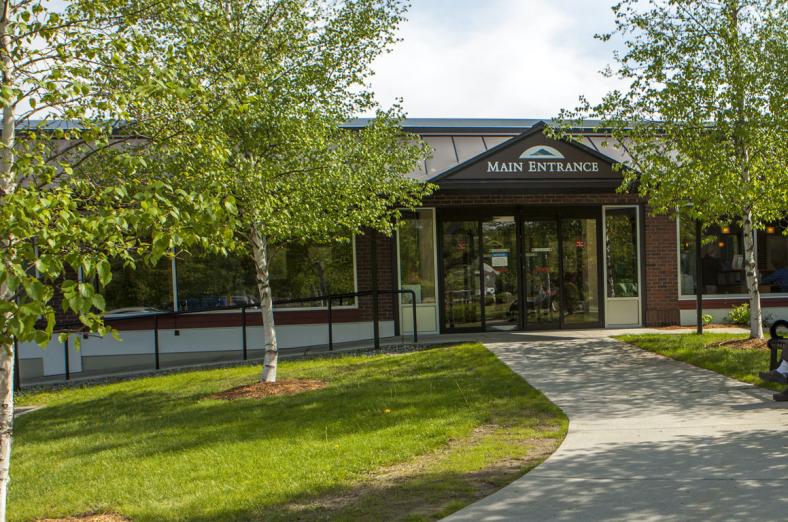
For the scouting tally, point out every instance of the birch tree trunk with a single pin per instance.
(6, 421)
(7, 186)
(751, 271)
(260, 254)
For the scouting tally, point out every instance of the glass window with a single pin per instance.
(773, 259)
(443, 155)
(144, 288)
(313, 270)
(722, 259)
(621, 252)
(417, 257)
(211, 281)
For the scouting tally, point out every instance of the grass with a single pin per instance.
(410, 437)
(742, 364)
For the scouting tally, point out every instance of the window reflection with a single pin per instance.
(621, 252)
(773, 259)
(417, 257)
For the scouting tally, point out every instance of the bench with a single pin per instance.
(776, 343)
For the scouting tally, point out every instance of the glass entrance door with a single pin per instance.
(580, 274)
(461, 275)
(499, 262)
(503, 273)
(541, 274)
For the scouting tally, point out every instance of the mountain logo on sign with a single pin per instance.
(541, 152)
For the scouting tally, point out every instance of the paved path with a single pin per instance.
(649, 439)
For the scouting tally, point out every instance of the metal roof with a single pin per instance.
(467, 125)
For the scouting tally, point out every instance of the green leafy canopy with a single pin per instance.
(77, 188)
(272, 83)
(703, 115)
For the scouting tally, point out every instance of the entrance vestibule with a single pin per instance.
(529, 270)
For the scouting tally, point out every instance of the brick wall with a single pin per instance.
(661, 262)
(385, 274)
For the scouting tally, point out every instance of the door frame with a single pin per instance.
(640, 299)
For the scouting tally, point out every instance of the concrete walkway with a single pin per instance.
(649, 438)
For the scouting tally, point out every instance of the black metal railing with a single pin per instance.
(329, 299)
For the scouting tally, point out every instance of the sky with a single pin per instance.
(496, 58)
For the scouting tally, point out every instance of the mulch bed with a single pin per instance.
(261, 390)
(741, 344)
(711, 326)
(100, 517)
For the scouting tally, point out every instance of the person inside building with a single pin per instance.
(779, 277)
(711, 266)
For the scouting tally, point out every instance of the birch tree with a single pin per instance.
(703, 115)
(75, 189)
(279, 78)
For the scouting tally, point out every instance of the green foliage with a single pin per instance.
(76, 189)
(707, 319)
(740, 315)
(270, 86)
(704, 113)
(374, 412)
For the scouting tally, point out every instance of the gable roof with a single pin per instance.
(532, 161)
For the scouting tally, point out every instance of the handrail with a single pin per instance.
(68, 327)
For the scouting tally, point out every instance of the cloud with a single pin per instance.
(497, 58)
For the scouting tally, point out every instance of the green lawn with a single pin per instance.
(411, 436)
(740, 364)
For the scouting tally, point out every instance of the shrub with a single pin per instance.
(741, 315)
(707, 318)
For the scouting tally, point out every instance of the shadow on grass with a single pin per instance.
(378, 411)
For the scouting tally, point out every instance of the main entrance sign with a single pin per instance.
(536, 161)
(542, 158)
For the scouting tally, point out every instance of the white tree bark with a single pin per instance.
(7, 186)
(260, 254)
(6, 422)
(751, 272)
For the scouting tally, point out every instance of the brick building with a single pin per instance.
(523, 233)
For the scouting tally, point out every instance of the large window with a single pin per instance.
(773, 259)
(313, 270)
(722, 259)
(210, 281)
(417, 257)
(141, 289)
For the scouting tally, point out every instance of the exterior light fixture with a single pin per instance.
(726, 230)
(771, 230)
(721, 244)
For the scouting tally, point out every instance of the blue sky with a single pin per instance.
(496, 58)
